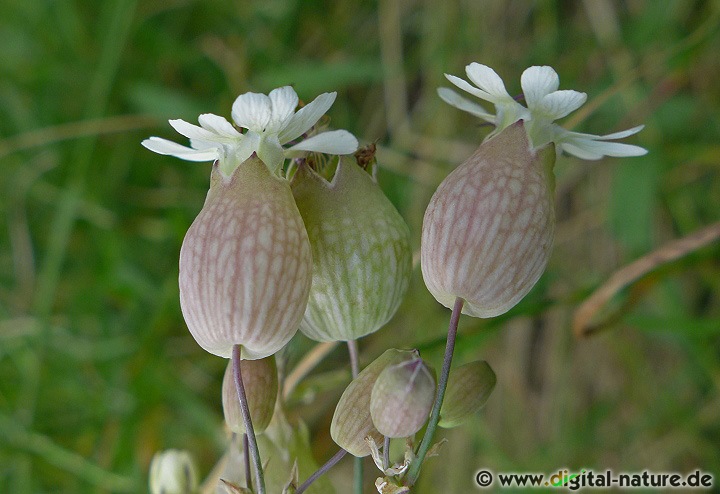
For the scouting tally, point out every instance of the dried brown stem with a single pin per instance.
(583, 324)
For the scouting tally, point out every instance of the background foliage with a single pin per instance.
(97, 370)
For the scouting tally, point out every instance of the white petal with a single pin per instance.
(467, 87)
(252, 111)
(573, 142)
(219, 125)
(621, 134)
(201, 144)
(537, 82)
(306, 117)
(192, 131)
(163, 146)
(616, 149)
(579, 151)
(487, 79)
(451, 97)
(332, 142)
(560, 103)
(283, 101)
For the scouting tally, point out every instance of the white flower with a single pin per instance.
(271, 123)
(492, 89)
(545, 104)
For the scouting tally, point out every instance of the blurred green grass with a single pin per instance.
(97, 370)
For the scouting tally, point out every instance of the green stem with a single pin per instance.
(355, 369)
(414, 470)
(358, 475)
(354, 358)
(245, 410)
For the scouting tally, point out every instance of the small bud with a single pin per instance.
(436, 448)
(402, 398)
(230, 488)
(361, 252)
(352, 422)
(469, 387)
(488, 230)
(245, 264)
(294, 480)
(260, 380)
(173, 472)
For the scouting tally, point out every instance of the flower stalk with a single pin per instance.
(246, 461)
(250, 432)
(321, 471)
(386, 453)
(355, 369)
(414, 469)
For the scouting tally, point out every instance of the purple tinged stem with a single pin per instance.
(246, 458)
(321, 471)
(414, 470)
(386, 453)
(245, 410)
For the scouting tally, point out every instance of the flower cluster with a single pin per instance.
(272, 252)
(266, 253)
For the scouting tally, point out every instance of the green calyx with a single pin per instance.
(245, 264)
(361, 252)
(488, 229)
(352, 421)
(469, 388)
(402, 398)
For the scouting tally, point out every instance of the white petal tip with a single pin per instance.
(338, 142)
(163, 146)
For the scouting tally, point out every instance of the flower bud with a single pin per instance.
(173, 472)
(245, 264)
(361, 253)
(230, 488)
(402, 398)
(488, 230)
(469, 387)
(352, 422)
(261, 387)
